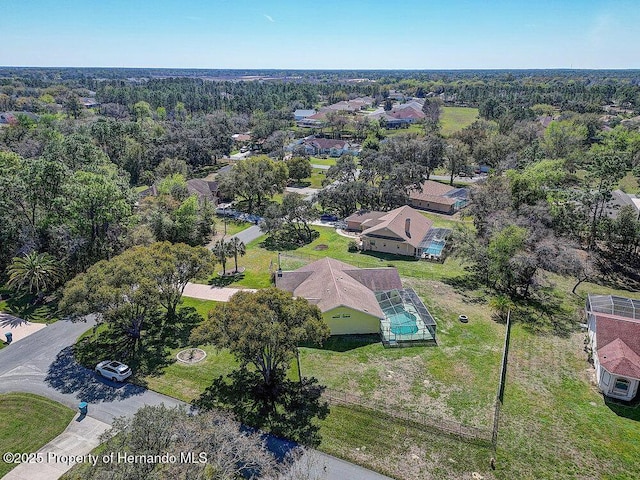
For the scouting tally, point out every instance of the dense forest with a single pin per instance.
(78, 144)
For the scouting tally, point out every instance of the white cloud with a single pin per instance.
(270, 18)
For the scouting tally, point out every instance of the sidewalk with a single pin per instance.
(208, 292)
(79, 438)
(18, 327)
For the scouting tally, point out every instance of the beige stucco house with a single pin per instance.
(438, 197)
(399, 232)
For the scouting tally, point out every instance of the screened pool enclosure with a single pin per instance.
(407, 322)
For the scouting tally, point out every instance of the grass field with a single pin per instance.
(554, 423)
(315, 180)
(323, 161)
(629, 184)
(24, 306)
(232, 226)
(453, 119)
(29, 422)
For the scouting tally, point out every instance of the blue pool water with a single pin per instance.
(403, 323)
(434, 248)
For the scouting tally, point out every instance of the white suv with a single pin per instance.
(116, 371)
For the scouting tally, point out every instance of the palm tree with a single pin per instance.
(501, 305)
(222, 252)
(35, 273)
(237, 247)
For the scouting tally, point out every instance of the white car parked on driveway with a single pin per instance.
(116, 371)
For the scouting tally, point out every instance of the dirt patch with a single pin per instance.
(321, 246)
(191, 355)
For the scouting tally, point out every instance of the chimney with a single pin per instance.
(407, 227)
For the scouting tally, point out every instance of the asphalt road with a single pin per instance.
(249, 234)
(43, 364)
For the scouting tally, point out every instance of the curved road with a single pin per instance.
(43, 364)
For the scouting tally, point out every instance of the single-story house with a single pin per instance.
(301, 114)
(88, 102)
(241, 137)
(401, 116)
(362, 301)
(614, 336)
(439, 197)
(317, 120)
(399, 232)
(327, 146)
(204, 189)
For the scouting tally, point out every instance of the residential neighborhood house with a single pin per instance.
(438, 197)
(362, 301)
(301, 114)
(324, 146)
(614, 336)
(403, 231)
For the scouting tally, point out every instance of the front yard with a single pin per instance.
(28, 423)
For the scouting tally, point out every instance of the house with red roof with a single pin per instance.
(614, 336)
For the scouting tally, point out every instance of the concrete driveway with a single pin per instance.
(43, 364)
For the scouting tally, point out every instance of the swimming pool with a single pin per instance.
(434, 248)
(403, 323)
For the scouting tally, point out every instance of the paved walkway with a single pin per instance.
(79, 438)
(18, 327)
(208, 292)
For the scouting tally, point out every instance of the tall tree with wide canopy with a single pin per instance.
(175, 265)
(122, 291)
(263, 329)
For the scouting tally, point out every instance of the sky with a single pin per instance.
(321, 34)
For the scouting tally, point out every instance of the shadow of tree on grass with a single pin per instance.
(285, 408)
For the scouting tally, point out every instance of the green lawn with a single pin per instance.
(260, 262)
(323, 161)
(232, 226)
(629, 184)
(554, 423)
(23, 306)
(28, 423)
(453, 119)
(202, 306)
(314, 181)
(414, 128)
